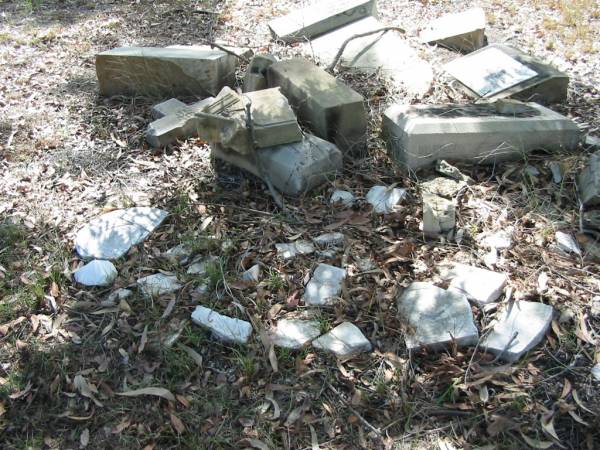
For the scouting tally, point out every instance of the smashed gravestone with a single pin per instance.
(295, 333)
(344, 198)
(329, 108)
(417, 136)
(344, 340)
(439, 215)
(256, 74)
(499, 71)
(481, 286)
(111, 235)
(385, 53)
(385, 199)
(158, 284)
(436, 317)
(164, 72)
(521, 326)
(319, 18)
(300, 247)
(96, 273)
(325, 286)
(166, 108)
(223, 328)
(588, 182)
(463, 31)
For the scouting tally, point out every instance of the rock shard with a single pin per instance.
(325, 286)
(463, 31)
(223, 328)
(344, 340)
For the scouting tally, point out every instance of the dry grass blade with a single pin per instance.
(155, 391)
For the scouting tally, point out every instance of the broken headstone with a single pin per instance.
(256, 74)
(295, 333)
(439, 215)
(96, 273)
(158, 284)
(166, 108)
(464, 31)
(344, 340)
(588, 182)
(223, 328)
(325, 286)
(384, 199)
(481, 286)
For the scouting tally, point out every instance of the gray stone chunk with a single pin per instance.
(201, 268)
(252, 274)
(295, 333)
(96, 273)
(567, 243)
(344, 340)
(111, 235)
(325, 286)
(288, 251)
(345, 198)
(520, 327)
(319, 18)
(118, 295)
(164, 71)
(179, 254)
(255, 78)
(158, 284)
(588, 182)
(384, 199)
(481, 286)
(464, 31)
(439, 215)
(330, 239)
(329, 108)
(417, 136)
(443, 187)
(437, 317)
(223, 328)
(166, 108)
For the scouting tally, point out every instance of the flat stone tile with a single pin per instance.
(344, 340)
(223, 328)
(295, 333)
(325, 286)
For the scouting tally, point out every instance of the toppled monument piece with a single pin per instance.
(481, 286)
(499, 71)
(320, 17)
(223, 328)
(463, 31)
(417, 136)
(344, 340)
(295, 333)
(439, 215)
(588, 182)
(329, 108)
(256, 74)
(436, 317)
(325, 286)
(162, 72)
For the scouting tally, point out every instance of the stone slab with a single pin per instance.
(295, 333)
(500, 71)
(439, 215)
(166, 108)
(162, 72)
(223, 328)
(344, 340)
(588, 182)
(325, 286)
(530, 320)
(96, 273)
(319, 18)
(325, 105)
(480, 286)
(158, 284)
(463, 31)
(437, 317)
(417, 136)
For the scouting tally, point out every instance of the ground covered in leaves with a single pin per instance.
(68, 355)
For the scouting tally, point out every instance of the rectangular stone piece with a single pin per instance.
(505, 72)
(164, 72)
(319, 18)
(463, 31)
(329, 108)
(166, 108)
(481, 286)
(588, 182)
(224, 328)
(417, 136)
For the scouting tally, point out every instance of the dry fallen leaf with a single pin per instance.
(196, 357)
(156, 391)
(177, 424)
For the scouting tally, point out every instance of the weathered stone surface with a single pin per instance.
(437, 317)
(330, 239)
(344, 198)
(464, 31)
(588, 182)
(499, 71)
(158, 284)
(295, 333)
(256, 74)
(325, 286)
(293, 168)
(439, 215)
(596, 372)
(529, 320)
(591, 220)
(344, 340)
(329, 108)
(448, 170)
(252, 274)
(567, 243)
(166, 108)
(591, 142)
(118, 295)
(443, 187)
(96, 273)
(499, 240)
(164, 71)
(111, 235)
(385, 200)
(319, 18)
(223, 328)
(301, 247)
(481, 286)
(417, 136)
(202, 267)
(387, 54)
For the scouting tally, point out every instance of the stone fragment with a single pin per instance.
(256, 74)
(499, 240)
(591, 142)
(595, 307)
(498, 71)
(567, 243)
(166, 108)
(388, 54)
(556, 172)
(111, 235)
(118, 295)
(445, 168)
(443, 187)
(417, 136)
(158, 284)
(439, 215)
(325, 286)
(301, 247)
(179, 254)
(437, 317)
(293, 168)
(520, 327)
(344, 198)
(464, 31)
(591, 220)
(588, 182)
(223, 328)
(481, 286)
(329, 108)
(330, 239)
(96, 273)
(365, 264)
(202, 267)
(385, 200)
(295, 333)
(344, 340)
(319, 18)
(596, 372)
(163, 72)
(252, 274)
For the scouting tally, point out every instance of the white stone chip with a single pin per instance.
(325, 286)
(330, 239)
(567, 243)
(158, 284)
(295, 333)
(252, 274)
(224, 328)
(287, 251)
(201, 267)
(119, 294)
(499, 240)
(96, 273)
(345, 198)
(437, 317)
(384, 199)
(596, 372)
(481, 286)
(344, 340)
(178, 254)
(111, 235)
(529, 320)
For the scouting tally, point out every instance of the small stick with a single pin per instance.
(355, 412)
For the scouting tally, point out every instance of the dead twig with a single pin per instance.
(355, 412)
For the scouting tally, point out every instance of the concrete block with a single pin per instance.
(295, 333)
(437, 317)
(439, 215)
(417, 136)
(163, 72)
(329, 108)
(499, 71)
(223, 328)
(463, 31)
(588, 182)
(166, 108)
(325, 286)
(319, 18)
(344, 340)
(481, 286)
(520, 327)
